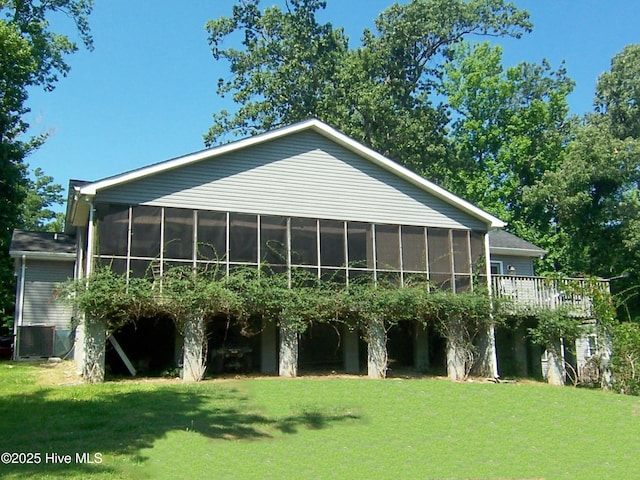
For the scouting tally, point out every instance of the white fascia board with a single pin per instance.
(518, 252)
(323, 129)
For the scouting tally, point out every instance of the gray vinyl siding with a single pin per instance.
(523, 265)
(40, 306)
(302, 175)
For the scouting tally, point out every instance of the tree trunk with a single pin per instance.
(288, 352)
(376, 349)
(95, 338)
(195, 349)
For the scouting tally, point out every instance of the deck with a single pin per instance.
(533, 293)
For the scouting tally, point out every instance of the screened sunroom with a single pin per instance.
(300, 198)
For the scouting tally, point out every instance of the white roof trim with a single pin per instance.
(62, 256)
(316, 126)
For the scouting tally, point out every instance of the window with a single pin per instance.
(497, 267)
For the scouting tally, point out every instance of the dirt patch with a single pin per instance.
(58, 373)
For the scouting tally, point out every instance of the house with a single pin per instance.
(43, 326)
(511, 255)
(333, 206)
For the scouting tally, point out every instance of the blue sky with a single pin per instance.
(147, 91)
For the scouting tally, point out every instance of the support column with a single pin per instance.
(421, 347)
(95, 338)
(195, 349)
(485, 364)
(268, 350)
(288, 352)
(351, 350)
(456, 358)
(376, 349)
(455, 361)
(556, 373)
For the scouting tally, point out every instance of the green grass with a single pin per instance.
(317, 428)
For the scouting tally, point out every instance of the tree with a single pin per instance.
(618, 93)
(593, 196)
(42, 193)
(291, 68)
(31, 54)
(510, 126)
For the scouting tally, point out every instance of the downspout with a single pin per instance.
(20, 306)
(492, 329)
(88, 269)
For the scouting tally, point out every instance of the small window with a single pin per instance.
(496, 267)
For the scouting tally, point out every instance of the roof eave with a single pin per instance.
(518, 252)
(59, 256)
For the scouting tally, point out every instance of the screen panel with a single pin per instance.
(243, 238)
(332, 243)
(387, 247)
(145, 231)
(304, 241)
(178, 233)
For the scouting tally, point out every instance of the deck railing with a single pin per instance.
(531, 293)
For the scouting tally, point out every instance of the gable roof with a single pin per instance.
(505, 243)
(42, 245)
(91, 189)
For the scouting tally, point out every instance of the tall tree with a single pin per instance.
(31, 54)
(42, 194)
(291, 67)
(594, 195)
(510, 126)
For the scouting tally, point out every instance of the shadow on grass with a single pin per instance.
(123, 419)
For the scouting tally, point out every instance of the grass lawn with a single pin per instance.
(316, 428)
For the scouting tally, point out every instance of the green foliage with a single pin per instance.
(618, 93)
(108, 297)
(291, 67)
(31, 55)
(625, 360)
(42, 194)
(249, 295)
(509, 128)
(554, 325)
